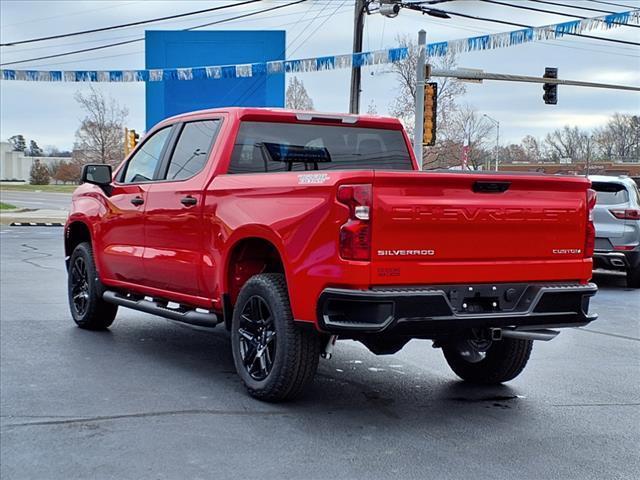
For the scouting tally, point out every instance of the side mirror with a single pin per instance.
(98, 174)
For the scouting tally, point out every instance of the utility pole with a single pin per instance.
(356, 73)
(418, 131)
(497, 125)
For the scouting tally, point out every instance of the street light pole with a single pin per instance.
(418, 131)
(356, 73)
(497, 124)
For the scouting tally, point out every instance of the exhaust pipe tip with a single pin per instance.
(544, 335)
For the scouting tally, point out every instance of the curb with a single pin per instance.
(36, 224)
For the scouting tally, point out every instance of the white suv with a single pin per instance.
(617, 220)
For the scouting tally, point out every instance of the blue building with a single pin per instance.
(175, 49)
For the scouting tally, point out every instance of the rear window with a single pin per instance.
(281, 147)
(610, 193)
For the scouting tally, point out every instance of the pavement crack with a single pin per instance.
(103, 418)
(595, 405)
(615, 335)
(39, 255)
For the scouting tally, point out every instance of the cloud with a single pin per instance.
(48, 113)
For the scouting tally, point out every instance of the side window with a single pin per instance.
(192, 150)
(144, 162)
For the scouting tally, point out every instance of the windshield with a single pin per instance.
(260, 146)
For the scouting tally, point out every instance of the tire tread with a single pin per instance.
(505, 362)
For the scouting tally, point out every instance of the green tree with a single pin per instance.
(18, 143)
(39, 174)
(34, 149)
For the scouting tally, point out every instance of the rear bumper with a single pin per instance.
(437, 310)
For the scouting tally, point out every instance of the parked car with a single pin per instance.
(294, 228)
(617, 220)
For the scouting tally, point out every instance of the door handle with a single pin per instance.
(137, 201)
(188, 201)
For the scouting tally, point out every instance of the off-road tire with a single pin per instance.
(633, 277)
(98, 314)
(297, 350)
(504, 361)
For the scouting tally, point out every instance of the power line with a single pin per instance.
(131, 24)
(612, 4)
(573, 6)
(256, 85)
(92, 59)
(66, 15)
(588, 46)
(110, 45)
(524, 7)
(419, 8)
(135, 35)
(563, 44)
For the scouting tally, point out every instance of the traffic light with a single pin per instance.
(550, 96)
(430, 110)
(130, 140)
(133, 138)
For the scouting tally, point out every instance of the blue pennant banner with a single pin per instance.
(333, 62)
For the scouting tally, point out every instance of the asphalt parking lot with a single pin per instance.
(153, 399)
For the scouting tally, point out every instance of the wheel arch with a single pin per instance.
(76, 232)
(248, 256)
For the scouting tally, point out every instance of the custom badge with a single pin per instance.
(312, 178)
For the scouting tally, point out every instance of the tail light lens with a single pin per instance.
(624, 248)
(626, 214)
(355, 235)
(590, 242)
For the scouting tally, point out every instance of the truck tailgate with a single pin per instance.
(454, 228)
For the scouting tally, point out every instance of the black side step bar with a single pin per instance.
(192, 317)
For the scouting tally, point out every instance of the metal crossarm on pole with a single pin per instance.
(462, 74)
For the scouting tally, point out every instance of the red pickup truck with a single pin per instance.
(296, 228)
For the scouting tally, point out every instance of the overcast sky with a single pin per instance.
(47, 112)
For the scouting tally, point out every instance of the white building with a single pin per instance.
(17, 166)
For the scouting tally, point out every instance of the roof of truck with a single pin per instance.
(283, 113)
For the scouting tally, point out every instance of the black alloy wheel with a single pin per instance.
(274, 356)
(79, 286)
(257, 335)
(84, 291)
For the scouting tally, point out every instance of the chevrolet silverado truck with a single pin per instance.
(293, 229)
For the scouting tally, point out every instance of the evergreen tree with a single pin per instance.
(18, 143)
(39, 174)
(34, 149)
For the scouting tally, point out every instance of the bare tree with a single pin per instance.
(404, 104)
(100, 137)
(569, 143)
(470, 128)
(532, 148)
(297, 96)
(372, 109)
(619, 139)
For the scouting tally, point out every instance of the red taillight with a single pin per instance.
(628, 214)
(355, 235)
(590, 241)
(624, 248)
